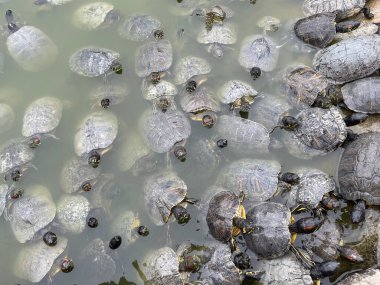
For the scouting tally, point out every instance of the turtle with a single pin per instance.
(371, 13)
(41, 118)
(139, 27)
(15, 158)
(163, 90)
(95, 136)
(72, 211)
(218, 38)
(165, 193)
(107, 95)
(303, 85)
(163, 132)
(189, 67)
(258, 53)
(36, 260)
(349, 59)
(95, 16)
(369, 276)
(7, 117)
(92, 61)
(3, 197)
(237, 94)
(78, 175)
(362, 95)
(98, 264)
(269, 24)
(344, 8)
(243, 135)
(31, 213)
(104, 193)
(30, 47)
(153, 57)
(126, 224)
(192, 257)
(364, 29)
(51, 2)
(257, 178)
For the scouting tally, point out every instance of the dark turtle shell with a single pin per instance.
(270, 237)
(359, 171)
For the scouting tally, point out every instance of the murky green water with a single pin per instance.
(18, 88)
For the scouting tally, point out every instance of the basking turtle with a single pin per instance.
(78, 175)
(217, 38)
(344, 8)
(126, 225)
(41, 118)
(30, 47)
(36, 260)
(190, 67)
(364, 29)
(257, 178)
(270, 237)
(95, 16)
(237, 94)
(362, 95)
(31, 212)
(349, 59)
(95, 136)
(163, 90)
(72, 211)
(107, 95)
(15, 157)
(165, 194)
(94, 61)
(269, 24)
(7, 117)
(139, 27)
(243, 136)
(371, 13)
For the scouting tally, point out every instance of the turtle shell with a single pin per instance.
(162, 88)
(321, 129)
(358, 169)
(115, 93)
(31, 48)
(200, 100)
(362, 95)
(188, 67)
(163, 191)
(96, 132)
(223, 207)
(14, 154)
(139, 27)
(92, 61)
(154, 56)
(271, 236)
(222, 34)
(161, 131)
(343, 8)
(257, 178)
(297, 148)
(233, 90)
(42, 116)
(349, 59)
(317, 30)
(258, 51)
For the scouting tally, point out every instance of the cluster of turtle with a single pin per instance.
(258, 221)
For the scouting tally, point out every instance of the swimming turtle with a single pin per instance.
(105, 191)
(163, 90)
(237, 94)
(163, 132)
(7, 117)
(110, 94)
(92, 61)
(72, 211)
(192, 257)
(218, 38)
(349, 59)
(36, 260)
(206, 154)
(258, 53)
(31, 212)
(153, 57)
(344, 8)
(15, 157)
(257, 178)
(269, 24)
(139, 27)
(41, 118)
(95, 136)
(95, 16)
(362, 95)
(243, 136)
(165, 193)
(30, 47)
(189, 67)
(303, 85)
(126, 224)
(78, 175)
(98, 264)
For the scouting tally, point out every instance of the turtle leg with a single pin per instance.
(191, 200)
(253, 275)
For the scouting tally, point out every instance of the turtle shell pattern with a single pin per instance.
(139, 27)
(359, 171)
(14, 154)
(188, 67)
(162, 88)
(222, 34)
(200, 100)
(235, 89)
(92, 16)
(344, 8)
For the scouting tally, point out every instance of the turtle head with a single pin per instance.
(34, 142)
(242, 260)
(191, 86)
(290, 178)
(255, 72)
(105, 103)
(143, 231)
(94, 159)
(163, 104)
(158, 34)
(290, 123)
(86, 187)
(222, 143)
(180, 153)
(154, 77)
(117, 67)
(67, 265)
(208, 121)
(181, 215)
(16, 175)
